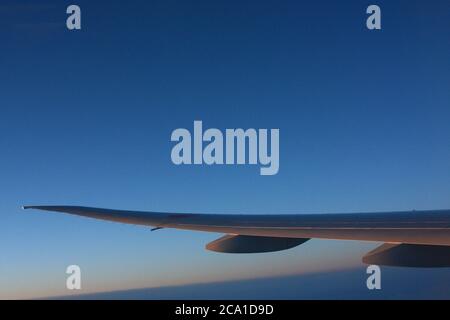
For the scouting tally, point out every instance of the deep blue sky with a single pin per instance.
(86, 118)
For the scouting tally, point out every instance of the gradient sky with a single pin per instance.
(86, 119)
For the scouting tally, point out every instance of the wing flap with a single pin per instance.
(252, 244)
(409, 255)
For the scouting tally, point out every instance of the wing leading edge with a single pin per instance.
(418, 229)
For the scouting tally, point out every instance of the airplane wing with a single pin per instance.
(412, 238)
